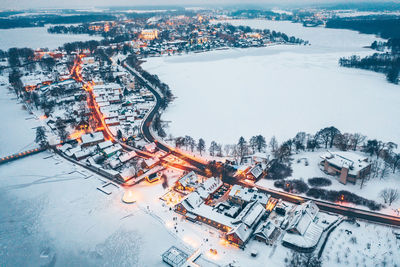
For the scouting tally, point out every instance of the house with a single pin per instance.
(81, 154)
(189, 203)
(112, 150)
(250, 172)
(188, 182)
(127, 156)
(105, 144)
(267, 232)
(209, 187)
(151, 162)
(246, 222)
(243, 195)
(349, 166)
(92, 139)
(152, 147)
(302, 232)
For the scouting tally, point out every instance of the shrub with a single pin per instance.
(279, 171)
(292, 186)
(319, 181)
(345, 196)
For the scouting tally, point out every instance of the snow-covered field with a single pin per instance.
(279, 90)
(366, 245)
(38, 37)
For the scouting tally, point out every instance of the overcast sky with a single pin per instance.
(23, 4)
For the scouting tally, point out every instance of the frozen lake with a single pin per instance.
(279, 90)
(38, 37)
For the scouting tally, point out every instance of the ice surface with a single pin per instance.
(279, 90)
(38, 37)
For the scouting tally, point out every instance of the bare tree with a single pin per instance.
(327, 135)
(384, 170)
(227, 150)
(343, 141)
(389, 195)
(395, 161)
(357, 139)
(273, 143)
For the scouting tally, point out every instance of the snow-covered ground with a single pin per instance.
(51, 212)
(17, 132)
(279, 90)
(366, 245)
(371, 188)
(38, 37)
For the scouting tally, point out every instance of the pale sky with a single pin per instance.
(24, 4)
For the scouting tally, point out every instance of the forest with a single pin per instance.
(387, 61)
(40, 21)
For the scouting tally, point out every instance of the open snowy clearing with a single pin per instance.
(279, 90)
(364, 245)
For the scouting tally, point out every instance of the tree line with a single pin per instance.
(42, 20)
(384, 26)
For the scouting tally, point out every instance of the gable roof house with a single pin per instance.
(303, 233)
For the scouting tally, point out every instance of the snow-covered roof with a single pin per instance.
(105, 144)
(84, 153)
(113, 149)
(266, 229)
(212, 184)
(256, 171)
(151, 161)
(243, 232)
(303, 216)
(193, 199)
(190, 179)
(351, 160)
(309, 239)
(65, 147)
(254, 214)
(127, 156)
(92, 137)
(151, 147)
(250, 214)
(114, 163)
(244, 193)
(209, 212)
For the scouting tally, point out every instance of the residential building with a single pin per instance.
(349, 166)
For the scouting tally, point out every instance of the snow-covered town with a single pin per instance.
(171, 137)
